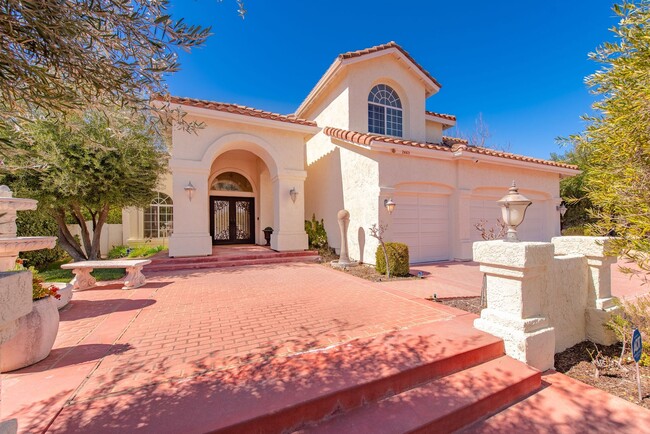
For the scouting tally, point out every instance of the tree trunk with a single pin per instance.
(85, 234)
(95, 251)
(66, 240)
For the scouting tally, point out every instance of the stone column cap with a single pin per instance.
(513, 254)
(580, 245)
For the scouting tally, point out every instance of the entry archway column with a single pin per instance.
(191, 227)
(289, 217)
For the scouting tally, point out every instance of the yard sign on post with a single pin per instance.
(637, 347)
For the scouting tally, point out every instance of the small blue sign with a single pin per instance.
(637, 346)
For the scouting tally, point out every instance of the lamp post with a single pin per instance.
(513, 210)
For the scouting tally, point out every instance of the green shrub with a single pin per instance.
(133, 252)
(39, 223)
(574, 230)
(316, 232)
(398, 259)
(118, 252)
(144, 251)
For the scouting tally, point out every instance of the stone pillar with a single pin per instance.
(289, 217)
(600, 303)
(191, 232)
(516, 282)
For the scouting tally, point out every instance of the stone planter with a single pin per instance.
(34, 337)
(65, 291)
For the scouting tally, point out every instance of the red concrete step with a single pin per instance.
(175, 264)
(565, 405)
(440, 406)
(346, 377)
(234, 256)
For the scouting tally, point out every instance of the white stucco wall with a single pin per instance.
(433, 132)
(363, 76)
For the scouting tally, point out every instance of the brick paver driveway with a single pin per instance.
(114, 341)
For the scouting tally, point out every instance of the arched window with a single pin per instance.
(384, 111)
(158, 217)
(231, 181)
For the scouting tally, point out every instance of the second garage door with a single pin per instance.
(422, 222)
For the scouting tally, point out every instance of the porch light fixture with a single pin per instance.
(513, 210)
(562, 209)
(389, 205)
(190, 189)
(294, 194)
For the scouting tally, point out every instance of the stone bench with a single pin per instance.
(83, 280)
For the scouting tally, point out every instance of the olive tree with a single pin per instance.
(82, 168)
(57, 56)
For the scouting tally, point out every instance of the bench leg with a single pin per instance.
(134, 278)
(82, 279)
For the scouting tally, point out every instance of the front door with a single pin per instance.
(232, 220)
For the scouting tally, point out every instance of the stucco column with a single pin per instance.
(462, 242)
(191, 231)
(600, 303)
(289, 217)
(517, 279)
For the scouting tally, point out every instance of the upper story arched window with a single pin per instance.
(159, 217)
(384, 111)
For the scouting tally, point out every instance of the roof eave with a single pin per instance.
(252, 120)
(470, 156)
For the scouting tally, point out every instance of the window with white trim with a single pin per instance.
(384, 111)
(159, 217)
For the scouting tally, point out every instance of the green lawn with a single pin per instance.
(54, 273)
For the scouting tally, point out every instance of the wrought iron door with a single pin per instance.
(231, 220)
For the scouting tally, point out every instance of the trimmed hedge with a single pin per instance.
(39, 223)
(398, 259)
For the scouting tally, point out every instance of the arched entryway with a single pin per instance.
(240, 198)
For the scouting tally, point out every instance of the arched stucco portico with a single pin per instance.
(273, 178)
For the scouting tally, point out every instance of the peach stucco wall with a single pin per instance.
(272, 157)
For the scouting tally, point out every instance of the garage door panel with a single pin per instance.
(422, 222)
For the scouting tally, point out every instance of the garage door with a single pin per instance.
(532, 229)
(422, 222)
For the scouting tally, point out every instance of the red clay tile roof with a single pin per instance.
(441, 115)
(450, 141)
(391, 44)
(237, 109)
(511, 156)
(367, 139)
(450, 144)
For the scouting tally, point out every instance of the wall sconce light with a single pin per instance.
(190, 189)
(561, 208)
(513, 211)
(294, 194)
(389, 205)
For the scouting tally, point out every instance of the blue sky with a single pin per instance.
(520, 63)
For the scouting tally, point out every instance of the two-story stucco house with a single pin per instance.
(360, 137)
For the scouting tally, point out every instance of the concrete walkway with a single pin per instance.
(135, 360)
(112, 341)
(464, 279)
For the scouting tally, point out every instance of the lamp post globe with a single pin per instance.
(513, 210)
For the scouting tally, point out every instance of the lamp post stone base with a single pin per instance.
(530, 340)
